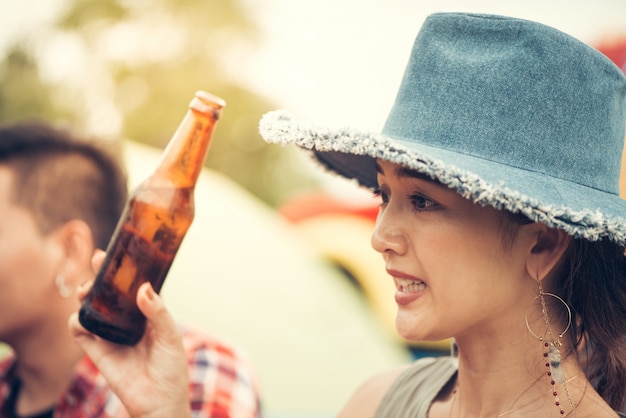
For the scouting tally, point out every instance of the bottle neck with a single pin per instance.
(184, 156)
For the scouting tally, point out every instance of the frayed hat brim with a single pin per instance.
(581, 211)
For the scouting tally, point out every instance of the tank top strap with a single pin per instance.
(412, 393)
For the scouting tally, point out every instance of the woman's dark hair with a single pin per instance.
(592, 281)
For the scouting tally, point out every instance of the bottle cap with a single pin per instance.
(204, 102)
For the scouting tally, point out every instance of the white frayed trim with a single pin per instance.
(277, 127)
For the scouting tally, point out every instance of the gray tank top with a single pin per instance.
(412, 393)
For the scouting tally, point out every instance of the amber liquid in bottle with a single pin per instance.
(151, 228)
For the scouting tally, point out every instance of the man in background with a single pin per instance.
(60, 199)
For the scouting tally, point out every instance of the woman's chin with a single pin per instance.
(410, 329)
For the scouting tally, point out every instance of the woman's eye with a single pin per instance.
(421, 203)
(382, 195)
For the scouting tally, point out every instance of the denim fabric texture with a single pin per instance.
(510, 113)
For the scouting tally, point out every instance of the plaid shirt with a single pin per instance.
(222, 384)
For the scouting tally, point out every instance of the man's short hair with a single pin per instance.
(60, 177)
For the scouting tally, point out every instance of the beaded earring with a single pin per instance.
(551, 345)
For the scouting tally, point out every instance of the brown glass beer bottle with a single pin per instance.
(151, 228)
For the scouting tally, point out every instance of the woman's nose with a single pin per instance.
(388, 234)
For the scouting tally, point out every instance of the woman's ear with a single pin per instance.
(548, 247)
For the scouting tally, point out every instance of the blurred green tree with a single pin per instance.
(128, 68)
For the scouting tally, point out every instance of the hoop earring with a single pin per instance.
(64, 290)
(544, 311)
(552, 345)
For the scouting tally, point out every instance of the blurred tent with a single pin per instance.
(244, 273)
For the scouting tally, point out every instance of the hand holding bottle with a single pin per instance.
(150, 378)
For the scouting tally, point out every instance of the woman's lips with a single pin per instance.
(408, 288)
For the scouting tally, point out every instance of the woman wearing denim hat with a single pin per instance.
(500, 223)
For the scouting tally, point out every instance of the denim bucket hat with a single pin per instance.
(507, 112)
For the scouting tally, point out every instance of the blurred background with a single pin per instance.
(278, 258)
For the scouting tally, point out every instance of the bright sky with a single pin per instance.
(339, 62)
